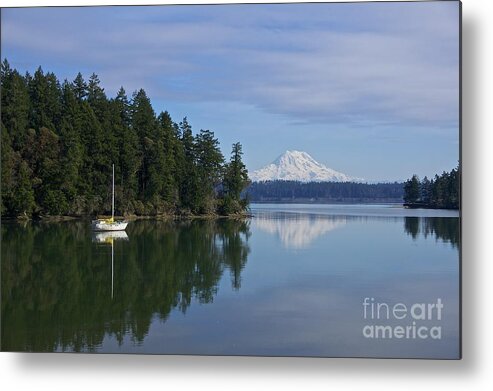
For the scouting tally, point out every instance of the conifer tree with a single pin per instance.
(45, 94)
(22, 200)
(7, 166)
(144, 124)
(425, 190)
(80, 87)
(95, 95)
(189, 180)
(169, 171)
(71, 150)
(412, 190)
(235, 181)
(128, 161)
(210, 161)
(95, 167)
(15, 104)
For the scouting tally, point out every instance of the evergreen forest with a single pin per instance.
(441, 192)
(60, 139)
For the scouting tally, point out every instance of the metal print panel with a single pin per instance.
(243, 179)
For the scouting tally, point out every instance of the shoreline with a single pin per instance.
(211, 216)
(418, 205)
(161, 217)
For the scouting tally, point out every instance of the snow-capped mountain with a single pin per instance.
(299, 166)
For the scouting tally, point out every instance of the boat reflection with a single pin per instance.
(109, 237)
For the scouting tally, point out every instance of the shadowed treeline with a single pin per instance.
(290, 191)
(56, 283)
(60, 140)
(441, 192)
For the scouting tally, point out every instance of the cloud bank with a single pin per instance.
(362, 64)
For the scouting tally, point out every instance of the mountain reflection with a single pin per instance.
(297, 231)
(57, 279)
(445, 229)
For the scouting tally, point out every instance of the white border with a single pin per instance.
(475, 371)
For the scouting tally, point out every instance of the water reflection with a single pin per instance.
(183, 287)
(108, 238)
(297, 231)
(442, 228)
(55, 279)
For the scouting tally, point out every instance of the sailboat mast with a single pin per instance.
(113, 196)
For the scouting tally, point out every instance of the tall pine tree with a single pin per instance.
(210, 162)
(235, 181)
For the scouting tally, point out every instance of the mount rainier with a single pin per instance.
(299, 166)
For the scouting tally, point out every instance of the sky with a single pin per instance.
(369, 89)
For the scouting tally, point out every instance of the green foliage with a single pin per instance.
(188, 174)
(7, 166)
(22, 198)
(45, 100)
(15, 104)
(80, 87)
(412, 190)
(128, 163)
(59, 142)
(209, 160)
(234, 182)
(441, 192)
(169, 171)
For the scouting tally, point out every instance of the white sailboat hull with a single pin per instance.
(102, 225)
(110, 224)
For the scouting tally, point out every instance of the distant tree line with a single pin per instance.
(324, 191)
(440, 192)
(59, 141)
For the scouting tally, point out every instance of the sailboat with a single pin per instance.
(110, 224)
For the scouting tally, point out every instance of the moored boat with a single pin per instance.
(110, 224)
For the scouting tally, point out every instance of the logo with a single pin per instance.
(402, 321)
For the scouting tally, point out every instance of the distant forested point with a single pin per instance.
(441, 192)
(60, 139)
(295, 191)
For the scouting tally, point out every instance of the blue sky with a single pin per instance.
(369, 89)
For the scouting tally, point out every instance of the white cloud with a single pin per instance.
(393, 65)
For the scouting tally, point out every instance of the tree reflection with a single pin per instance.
(446, 229)
(56, 283)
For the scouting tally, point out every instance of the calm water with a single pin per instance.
(290, 281)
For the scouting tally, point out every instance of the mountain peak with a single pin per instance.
(295, 165)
